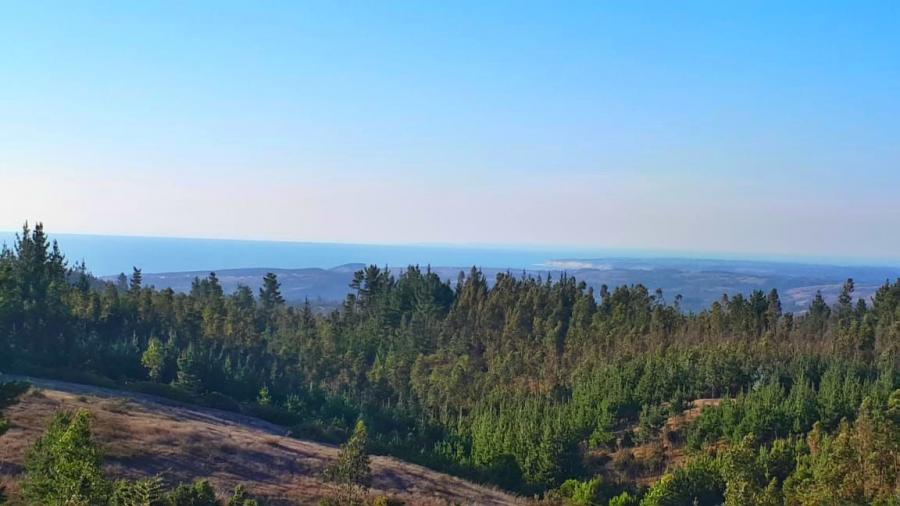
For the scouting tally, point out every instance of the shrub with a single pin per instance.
(10, 392)
(623, 499)
(581, 493)
(200, 493)
(699, 482)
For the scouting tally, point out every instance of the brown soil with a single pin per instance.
(645, 464)
(142, 436)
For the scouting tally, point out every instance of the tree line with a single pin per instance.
(508, 383)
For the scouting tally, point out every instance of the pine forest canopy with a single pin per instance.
(514, 382)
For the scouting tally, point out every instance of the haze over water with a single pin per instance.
(109, 255)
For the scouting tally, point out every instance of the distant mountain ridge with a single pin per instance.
(698, 281)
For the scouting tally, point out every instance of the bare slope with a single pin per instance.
(144, 436)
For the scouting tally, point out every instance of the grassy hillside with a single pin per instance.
(142, 437)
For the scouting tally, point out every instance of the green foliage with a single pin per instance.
(860, 464)
(11, 391)
(352, 465)
(200, 493)
(505, 380)
(9, 394)
(240, 498)
(581, 493)
(270, 292)
(148, 492)
(264, 398)
(190, 370)
(154, 359)
(746, 480)
(651, 421)
(63, 466)
(623, 499)
(768, 413)
(700, 482)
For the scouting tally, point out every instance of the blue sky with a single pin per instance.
(753, 127)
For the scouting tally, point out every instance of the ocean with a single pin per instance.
(110, 255)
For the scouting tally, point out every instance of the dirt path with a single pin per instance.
(143, 435)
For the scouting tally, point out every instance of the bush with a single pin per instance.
(601, 437)
(623, 499)
(239, 498)
(200, 493)
(10, 392)
(148, 492)
(700, 482)
(581, 493)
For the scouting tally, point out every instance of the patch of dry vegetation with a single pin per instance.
(142, 438)
(644, 464)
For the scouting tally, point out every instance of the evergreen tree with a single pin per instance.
(190, 375)
(136, 282)
(147, 492)
(154, 359)
(63, 466)
(270, 292)
(200, 493)
(352, 466)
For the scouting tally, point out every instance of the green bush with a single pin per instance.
(700, 482)
(200, 493)
(581, 493)
(623, 499)
(10, 392)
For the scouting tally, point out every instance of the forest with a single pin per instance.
(538, 386)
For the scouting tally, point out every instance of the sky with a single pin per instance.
(741, 127)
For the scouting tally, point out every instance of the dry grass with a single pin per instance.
(142, 437)
(645, 464)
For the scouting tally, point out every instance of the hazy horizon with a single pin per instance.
(107, 255)
(764, 129)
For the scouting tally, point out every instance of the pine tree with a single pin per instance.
(270, 292)
(137, 280)
(189, 371)
(63, 466)
(200, 493)
(352, 468)
(154, 359)
(147, 492)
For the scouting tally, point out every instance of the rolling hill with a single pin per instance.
(144, 436)
(699, 281)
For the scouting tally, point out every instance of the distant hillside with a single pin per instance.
(142, 436)
(698, 281)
